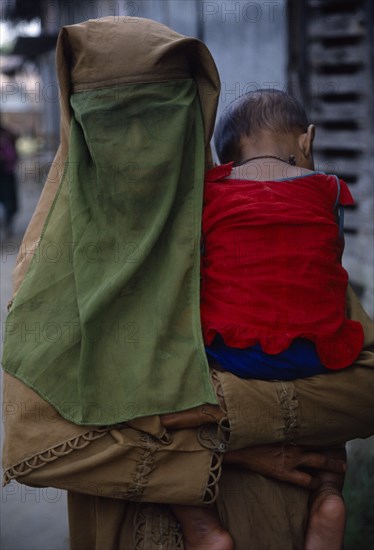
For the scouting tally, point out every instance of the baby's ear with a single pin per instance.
(306, 141)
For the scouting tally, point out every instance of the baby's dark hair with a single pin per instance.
(253, 113)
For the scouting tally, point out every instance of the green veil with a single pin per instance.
(105, 325)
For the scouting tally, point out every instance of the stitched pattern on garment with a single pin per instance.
(289, 405)
(156, 529)
(209, 435)
(140, 527)
(41, 459)
(215, 437)
(145, 465)
(212, 489)
(224, 423)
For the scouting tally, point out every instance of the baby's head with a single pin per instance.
(250, 117)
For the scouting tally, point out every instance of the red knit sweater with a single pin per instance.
(271, 268)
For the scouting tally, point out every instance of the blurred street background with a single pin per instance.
(321, 51)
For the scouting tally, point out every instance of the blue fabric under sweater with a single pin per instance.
(300, 360)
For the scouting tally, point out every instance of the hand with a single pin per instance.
(283, 463)
(192, 418)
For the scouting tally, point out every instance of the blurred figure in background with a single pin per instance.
(8, 180)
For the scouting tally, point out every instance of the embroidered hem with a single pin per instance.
(215, 437)
(50, 455)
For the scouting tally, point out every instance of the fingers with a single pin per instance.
(322, 462)
(211, 414)
(281, 462)
(300, 478)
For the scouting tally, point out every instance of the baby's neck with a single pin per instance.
(270, 157)
(267, 169)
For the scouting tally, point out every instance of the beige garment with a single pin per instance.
(122, 462)
(260, 513)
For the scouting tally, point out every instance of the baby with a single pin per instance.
(273, 287)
